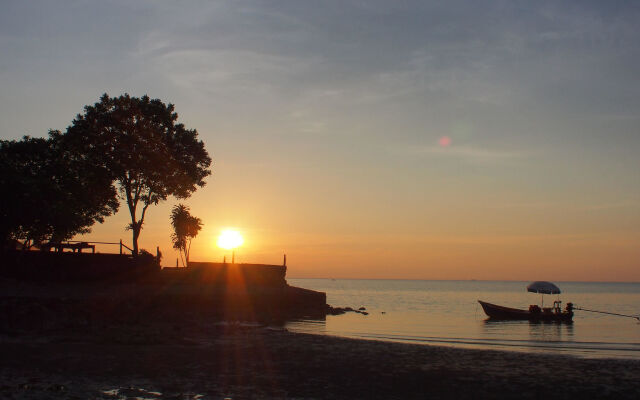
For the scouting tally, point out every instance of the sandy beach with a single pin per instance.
(216, 361)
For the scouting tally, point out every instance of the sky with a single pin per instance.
(367, 139)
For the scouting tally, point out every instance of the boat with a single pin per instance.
(534, 313)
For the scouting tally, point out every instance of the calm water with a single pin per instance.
(447, 313)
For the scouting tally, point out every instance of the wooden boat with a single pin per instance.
(534, 313)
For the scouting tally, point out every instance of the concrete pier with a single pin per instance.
(108, 286)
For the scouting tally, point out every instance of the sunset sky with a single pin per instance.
(367, 139)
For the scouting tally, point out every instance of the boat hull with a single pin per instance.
(501, 313)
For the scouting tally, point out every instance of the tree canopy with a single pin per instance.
(185, 228)
(140, 143)
(49, 194)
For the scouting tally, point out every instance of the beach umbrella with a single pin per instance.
(543, 287)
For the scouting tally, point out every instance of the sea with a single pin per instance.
(447, 313)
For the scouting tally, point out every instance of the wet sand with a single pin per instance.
(215, 361)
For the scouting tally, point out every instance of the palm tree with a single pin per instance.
(185, 228)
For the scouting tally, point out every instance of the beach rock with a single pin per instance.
(334, 310)
(342, 310)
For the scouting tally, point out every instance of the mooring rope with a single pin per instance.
(610, 313)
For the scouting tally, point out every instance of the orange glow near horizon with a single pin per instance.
(465, 228)
(448, 239)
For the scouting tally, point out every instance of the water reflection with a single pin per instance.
(537, 331)
(145, 394)
(315, 326)
(555, 338)
(550, 332)
(530, 336)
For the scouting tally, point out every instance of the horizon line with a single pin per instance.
(459, 280)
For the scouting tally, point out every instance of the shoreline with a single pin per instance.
(470, 344)
(242, 362)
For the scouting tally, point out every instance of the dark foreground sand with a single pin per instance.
(239, 362)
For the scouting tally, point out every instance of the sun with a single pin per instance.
(230, 239)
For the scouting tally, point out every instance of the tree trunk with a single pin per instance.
(181, 258)
(187, 250)
(136, 235)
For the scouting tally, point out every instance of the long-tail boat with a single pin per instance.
(534, 313)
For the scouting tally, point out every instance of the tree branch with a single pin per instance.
(146, 205)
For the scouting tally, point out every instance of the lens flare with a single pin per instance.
(445, 141)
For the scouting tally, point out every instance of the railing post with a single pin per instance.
(120, 246)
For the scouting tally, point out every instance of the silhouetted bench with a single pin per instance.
(76, 247)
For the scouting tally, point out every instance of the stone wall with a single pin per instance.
(230, 275)
(107, 287)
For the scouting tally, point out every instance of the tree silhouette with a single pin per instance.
(148, 153)
(48, 194)
(185, 228)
